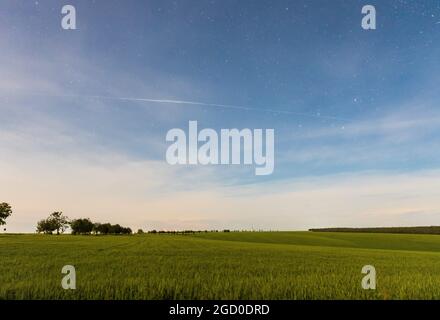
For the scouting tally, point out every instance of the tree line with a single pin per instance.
(86, 226)
(58, 223)
(186, 231)
(405, 230)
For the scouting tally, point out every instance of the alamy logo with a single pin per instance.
(369, 281)
(235, 145)
(68, 22)
(69, 280)
(369, 20)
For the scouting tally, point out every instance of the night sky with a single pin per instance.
(352, 109)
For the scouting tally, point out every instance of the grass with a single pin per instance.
(272, 265)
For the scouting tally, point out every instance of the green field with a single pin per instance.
(272, 265)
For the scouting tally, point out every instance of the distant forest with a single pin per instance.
(408, 230)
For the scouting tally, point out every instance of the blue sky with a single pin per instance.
(362, 105)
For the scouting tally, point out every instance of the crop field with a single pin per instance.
(266, 265)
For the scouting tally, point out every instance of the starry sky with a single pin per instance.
(355, 112)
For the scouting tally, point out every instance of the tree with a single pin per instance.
(96, 227)
(5, 211)
(46, 226)
(107, 228)
(115, 229)
(56, 222)
(61, 222)
(82, 226)
(102, 228)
